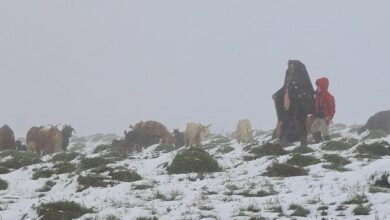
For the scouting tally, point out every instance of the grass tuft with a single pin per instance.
(3, 184)
(193, 160)
(302, 161)
(284, 170)
(61, 210)
(18, 159)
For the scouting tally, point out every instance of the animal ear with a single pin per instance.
(209, 125)
(125, 132)
(74, 131)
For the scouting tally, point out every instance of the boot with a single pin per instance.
(317, 137)
(327, 138)
(304, 141)
(283, 141)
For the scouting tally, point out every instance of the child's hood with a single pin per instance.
(323, 83)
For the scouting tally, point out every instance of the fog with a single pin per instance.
(103, 65)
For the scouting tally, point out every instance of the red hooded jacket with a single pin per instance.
(324, 101)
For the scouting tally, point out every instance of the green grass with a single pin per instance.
(61, 210)
(3, 184)
(302, 161)
(18, 159)
(284, 170)
(193, 160)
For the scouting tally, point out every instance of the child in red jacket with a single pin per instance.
(325, 108)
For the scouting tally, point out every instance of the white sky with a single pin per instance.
(102, 65)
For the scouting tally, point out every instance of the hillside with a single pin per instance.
(346, 178)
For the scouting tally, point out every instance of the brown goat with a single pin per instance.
(147, 133)
(7, 138)
(44, 140)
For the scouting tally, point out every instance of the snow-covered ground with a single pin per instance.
(208, 196)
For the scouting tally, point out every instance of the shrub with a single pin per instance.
(268, 149)
(4, 170)
(193, 160)
(362, 210)
(303, 150)
(344, 144)
(357, 199)
(374, 150)
(125, 176)
(18, 159)
(147, 218)
(60, 168)
(261, 193)
(93, 180)
(299, 211)
(65, 167)
(375, 134)
(383, 181)
(101, 148)
(251, 208)
(42, 173)
(47, 187)
(65, 157)
(284, 170)
(302, 161)
(165, 148)
(336, 159)
(225, 149)
(112, 217)
(61, 210)
(337, 162)
(3, 184)
(88, 163)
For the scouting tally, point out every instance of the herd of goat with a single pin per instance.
(49, 139)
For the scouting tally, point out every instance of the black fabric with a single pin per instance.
(301, 93)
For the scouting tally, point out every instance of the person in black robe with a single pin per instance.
(294, 102)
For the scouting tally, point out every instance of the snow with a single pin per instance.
(191, 196)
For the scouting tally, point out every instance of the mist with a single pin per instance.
(103, 65)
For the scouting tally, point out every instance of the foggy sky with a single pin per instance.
(103, 65)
